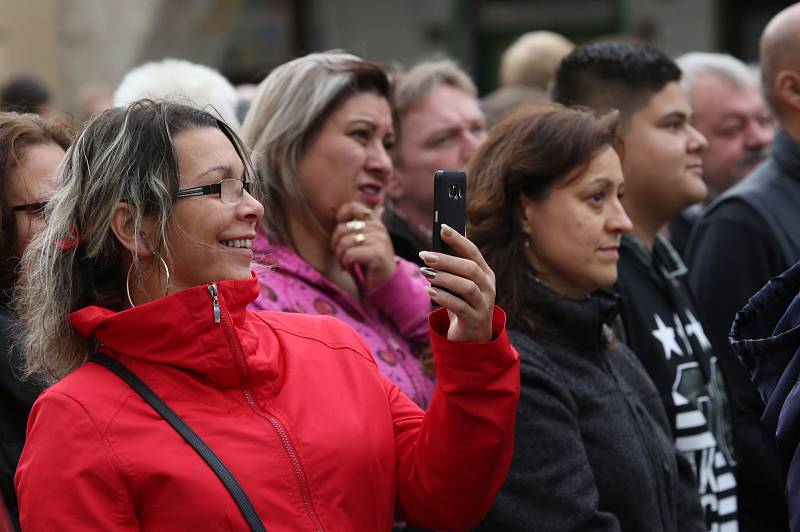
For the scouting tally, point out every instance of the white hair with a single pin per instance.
(183, 82)
(723, 66)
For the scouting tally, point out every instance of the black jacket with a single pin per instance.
(16, 399)
(746, 237)
(406, 240)
(680, 227)
(766, 336)
(661, 326)
(593, 449)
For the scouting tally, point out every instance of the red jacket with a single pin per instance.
(293, 404)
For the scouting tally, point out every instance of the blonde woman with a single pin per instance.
(321, 128)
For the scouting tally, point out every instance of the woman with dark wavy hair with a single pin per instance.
(593, 449)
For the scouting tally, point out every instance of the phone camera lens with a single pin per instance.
(455, 192)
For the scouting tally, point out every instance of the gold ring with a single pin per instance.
(359, 239)
(366, 215)
(354, 226)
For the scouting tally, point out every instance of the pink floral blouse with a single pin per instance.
(393, 319)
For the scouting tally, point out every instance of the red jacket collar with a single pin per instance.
(179, 330)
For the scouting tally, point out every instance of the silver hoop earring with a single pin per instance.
(128, 280)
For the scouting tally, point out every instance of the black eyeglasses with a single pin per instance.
(230, 190)
(34, 208)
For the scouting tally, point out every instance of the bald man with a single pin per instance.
(748, 235)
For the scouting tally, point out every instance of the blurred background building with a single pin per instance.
(76, 45)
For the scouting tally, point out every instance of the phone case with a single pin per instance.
(449, 206)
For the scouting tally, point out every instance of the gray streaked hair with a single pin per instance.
(123, 155)
(723, 66)
(414, 84)
(289, 108)
(411, 86)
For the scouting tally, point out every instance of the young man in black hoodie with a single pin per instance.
(663, 175)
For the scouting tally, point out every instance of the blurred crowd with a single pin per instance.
(222, 307)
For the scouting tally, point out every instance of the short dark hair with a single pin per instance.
(608, 75)
(24, 94)
(529, 153)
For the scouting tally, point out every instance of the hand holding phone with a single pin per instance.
(466, 291)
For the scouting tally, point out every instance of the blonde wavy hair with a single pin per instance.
(123, 155)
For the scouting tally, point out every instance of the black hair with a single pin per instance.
(24, 95)
(607, 75)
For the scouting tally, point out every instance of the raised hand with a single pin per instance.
(360, 238)
(471, 279)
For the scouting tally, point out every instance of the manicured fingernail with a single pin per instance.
(446, 230)
(432, 292)
(430, 273)
(427, 257)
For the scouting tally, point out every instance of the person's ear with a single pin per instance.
(526, 210)
(394, 185)
(123, 228)
(787, 85)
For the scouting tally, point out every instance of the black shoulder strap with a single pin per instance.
(189, 435)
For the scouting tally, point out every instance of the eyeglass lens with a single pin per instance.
(231, 190)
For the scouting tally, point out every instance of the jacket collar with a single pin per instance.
(583, 323)
(765, 335)
(396, 224)
(180, 330)
(786, 153)
(662, 262)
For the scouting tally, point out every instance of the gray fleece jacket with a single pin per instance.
(593, 448)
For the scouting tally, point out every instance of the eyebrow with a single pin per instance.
(605, 180)
(444, 130)
(369, 123)
(364, 121)
(677, 114)
(226, 170)
(734, 114)
(602, 178)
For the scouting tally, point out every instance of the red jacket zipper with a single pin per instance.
(238, 357)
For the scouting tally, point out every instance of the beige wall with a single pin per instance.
(29, 40)
(68, 43)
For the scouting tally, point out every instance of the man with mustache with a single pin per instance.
(747, 236)
(729, 110)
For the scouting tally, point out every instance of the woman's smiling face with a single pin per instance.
(210, 240)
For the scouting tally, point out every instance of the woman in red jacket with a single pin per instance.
(146, 258)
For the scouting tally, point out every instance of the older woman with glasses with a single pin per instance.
(322, 126)
(135, 307)
(31, 148)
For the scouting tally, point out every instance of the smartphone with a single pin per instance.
(449, 206)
